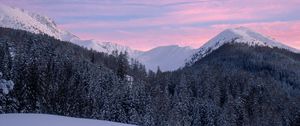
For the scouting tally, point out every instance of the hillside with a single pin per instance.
(237, 35)
(238, 84)
(235, 84)
(167, 58)
(47, 75)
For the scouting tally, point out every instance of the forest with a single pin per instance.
(232, 86)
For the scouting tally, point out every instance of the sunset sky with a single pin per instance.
(144, 24)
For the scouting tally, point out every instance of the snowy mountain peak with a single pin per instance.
(237, 35)
(244, 35)
(15, 18)
(11, 17)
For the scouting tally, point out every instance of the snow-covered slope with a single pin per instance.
(106, 47)
(5, 85)
(16, 18)
(51, 120)
(237, 35)
(20, 19)
(168, 58)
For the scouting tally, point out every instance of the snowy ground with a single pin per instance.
(51, 120)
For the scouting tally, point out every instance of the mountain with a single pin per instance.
(51, 120)
(239, 85)
(237, 35)
(106, 47)
(168, 58)
(21, 19)
(16, 18)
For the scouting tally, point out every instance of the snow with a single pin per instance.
(12, 52)
(16, 18)
(237, 35)
(20, 19)
(51, 120)
(168, 58)
(5, 85)
(106, 47)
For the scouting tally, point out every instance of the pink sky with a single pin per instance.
(144, 24)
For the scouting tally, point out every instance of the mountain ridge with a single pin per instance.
(15, 18)
(237, 35)
(168, 58)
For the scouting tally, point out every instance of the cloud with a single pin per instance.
(286, 32)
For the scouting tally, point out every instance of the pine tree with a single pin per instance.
(181, 104)
(123, 65)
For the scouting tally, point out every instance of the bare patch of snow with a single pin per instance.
(5, 85)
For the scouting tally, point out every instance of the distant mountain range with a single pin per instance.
(16, 18)
(238, 78)
(168, 58)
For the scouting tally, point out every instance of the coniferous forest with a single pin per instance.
(234, 85)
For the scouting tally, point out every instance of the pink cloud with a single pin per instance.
(179, 15)
(285, 32)
(185, 36)
(170, 21)
(182, 16)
